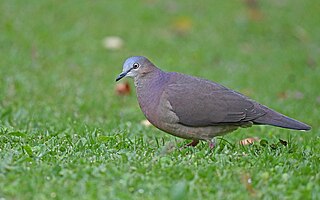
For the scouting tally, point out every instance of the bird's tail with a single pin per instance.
(276, 119)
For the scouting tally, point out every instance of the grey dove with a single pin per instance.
(193, 108)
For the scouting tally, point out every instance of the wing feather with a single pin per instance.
(198, 102)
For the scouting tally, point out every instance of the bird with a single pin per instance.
(195, 108)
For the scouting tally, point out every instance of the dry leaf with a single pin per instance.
(290, 94)
(112, 42)
(248, 141)
(282, 95)
(123, 88)
(254, 11)
(182, 25)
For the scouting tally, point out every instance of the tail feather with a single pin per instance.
(276, 119)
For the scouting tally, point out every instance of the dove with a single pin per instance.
(194, 108)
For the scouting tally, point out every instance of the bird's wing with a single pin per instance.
(198, 102)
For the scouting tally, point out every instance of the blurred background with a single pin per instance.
(59, 61)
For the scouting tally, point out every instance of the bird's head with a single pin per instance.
(136, 66)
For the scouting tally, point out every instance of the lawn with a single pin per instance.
(66, 134)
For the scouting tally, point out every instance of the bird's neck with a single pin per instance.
(150, 80)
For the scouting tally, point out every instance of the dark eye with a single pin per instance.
(135, 66)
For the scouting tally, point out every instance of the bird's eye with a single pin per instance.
(135, 65)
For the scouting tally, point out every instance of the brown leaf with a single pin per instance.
(248, 141)
(254, 11)
(282, 95)
(182, 25)
(123, 89)
(290, 94)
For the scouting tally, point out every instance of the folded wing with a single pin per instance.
(199, 102)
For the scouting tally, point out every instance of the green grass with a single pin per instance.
(65, 134)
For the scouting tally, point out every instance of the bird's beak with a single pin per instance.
(123, 74)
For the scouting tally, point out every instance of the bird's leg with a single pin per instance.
(193, 143)
(212, 143)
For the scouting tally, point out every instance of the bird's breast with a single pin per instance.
(148, 101)
(150, 91)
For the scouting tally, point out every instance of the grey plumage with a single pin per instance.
(195, 108)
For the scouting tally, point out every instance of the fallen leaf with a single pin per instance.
(123, 89)
(248, 141)
(182, 25)
(282, 95)
(254, 11)
(112, 42)
(290, 94)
